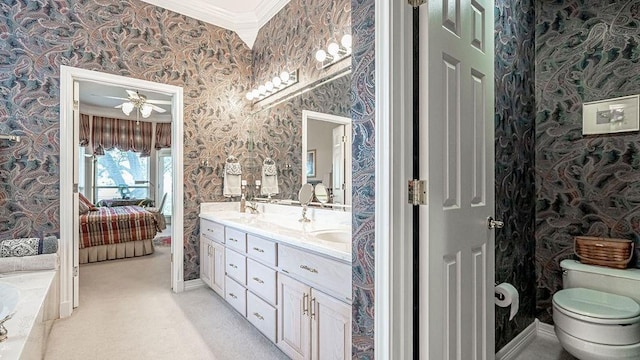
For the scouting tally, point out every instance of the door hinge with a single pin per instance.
(344, 139)
(417, 192)
(76, 105)
(417, 3)
(75, 271)
(75, 188)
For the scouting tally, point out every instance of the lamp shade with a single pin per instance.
(127, 108)
(145, 110)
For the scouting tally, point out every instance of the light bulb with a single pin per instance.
(145, 110)
(262, 89)
(127, 107)
(250, 95)
(284, 76)
(269, 86)
(346, 41)
(321, 55)
(255, 93)
(333, 49)
(276, 81)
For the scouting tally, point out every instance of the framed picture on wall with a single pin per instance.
(610, 116)
(311, 163)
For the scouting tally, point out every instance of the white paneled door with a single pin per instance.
(456, 152)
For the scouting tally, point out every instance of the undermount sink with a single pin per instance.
(337, 236)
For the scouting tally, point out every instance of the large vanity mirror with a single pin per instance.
(308, 136)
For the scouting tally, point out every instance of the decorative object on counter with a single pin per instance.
(28, 246)
(232, 184)
(321, 193)
(269, 177)
(305, 195)
(278, 83)
(335, 52)
(9, 296)
(243, 204)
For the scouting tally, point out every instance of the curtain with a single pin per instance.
(125, 135)
(163, 135)
(85, 130)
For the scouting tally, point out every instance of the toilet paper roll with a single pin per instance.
(509, 296)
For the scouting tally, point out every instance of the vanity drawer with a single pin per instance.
(236, 295)
(262, 249)
(211, 230)
(236, 239)
(262, 316)
(236, 265)
(329, 275)
(261, 280)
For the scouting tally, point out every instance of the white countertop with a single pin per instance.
(33, 287)
(280, 223)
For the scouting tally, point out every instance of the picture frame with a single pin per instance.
(611, 116)
(311, 163)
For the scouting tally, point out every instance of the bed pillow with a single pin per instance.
(83, 208)
(84, 201)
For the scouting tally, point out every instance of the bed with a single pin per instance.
(108, 233)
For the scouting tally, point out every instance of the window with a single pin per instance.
(121, 174)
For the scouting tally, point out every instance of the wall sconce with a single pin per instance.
(334, 52)
(278, 83)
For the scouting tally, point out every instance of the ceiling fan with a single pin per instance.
(135, 100)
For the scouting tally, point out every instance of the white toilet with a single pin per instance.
(597, 314)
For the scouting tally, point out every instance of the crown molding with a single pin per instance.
(118, 114)
(246, 24)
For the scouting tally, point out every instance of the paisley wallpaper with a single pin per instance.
(586, 185)
(515, 173)
(363, 114)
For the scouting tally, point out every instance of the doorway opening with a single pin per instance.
(71, 78)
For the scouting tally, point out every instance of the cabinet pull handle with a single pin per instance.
(210, 230)
(258, 280)
(310, 269)
(232, 239)
(209, 249)
(258, 316)
(233, 295)
(305, 304)
(233, 266)
(258, 249)
(313, 308)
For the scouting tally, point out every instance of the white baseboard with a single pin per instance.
(193, 284)
(519, 343)
(546, 330)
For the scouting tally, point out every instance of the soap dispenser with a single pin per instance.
(243, 204)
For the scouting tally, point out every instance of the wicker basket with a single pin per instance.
(615, 253)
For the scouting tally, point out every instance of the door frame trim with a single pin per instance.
(393, 306)
(68, 75)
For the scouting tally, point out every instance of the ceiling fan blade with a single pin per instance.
(118, 106)
(157, 108)
(133, 94)
(115, 97)
(159, 102)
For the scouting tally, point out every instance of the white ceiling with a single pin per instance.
(245, 17)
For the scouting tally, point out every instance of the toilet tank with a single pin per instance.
(615, 281)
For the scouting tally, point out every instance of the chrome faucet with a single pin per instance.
(253, 207)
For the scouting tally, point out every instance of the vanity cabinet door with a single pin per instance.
(205, 260)
(330, 327)
(294, 323)
(217, 268)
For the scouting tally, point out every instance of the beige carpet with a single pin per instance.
(127, 311)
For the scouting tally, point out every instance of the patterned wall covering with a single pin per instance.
(586, 185)
(363, 113)
(515, 173)
(278, 131)
(129, 38)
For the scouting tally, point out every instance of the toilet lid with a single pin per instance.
(597, 304)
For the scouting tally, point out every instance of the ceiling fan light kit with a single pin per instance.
(140, 102)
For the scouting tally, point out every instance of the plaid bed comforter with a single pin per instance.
(114, 225)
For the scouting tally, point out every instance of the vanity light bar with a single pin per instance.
(334, 52)
(278, 83)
